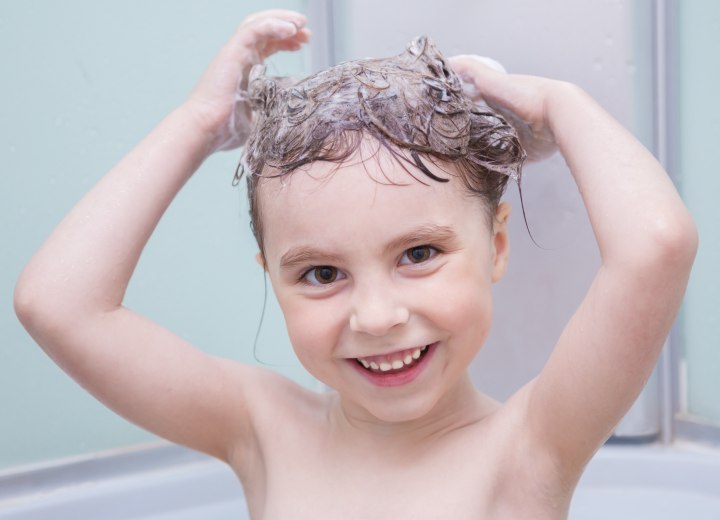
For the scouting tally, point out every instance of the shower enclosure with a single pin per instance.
(649, 62)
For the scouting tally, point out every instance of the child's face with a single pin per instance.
(363, 269)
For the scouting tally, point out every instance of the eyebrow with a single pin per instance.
(304, 254)
(427, 234)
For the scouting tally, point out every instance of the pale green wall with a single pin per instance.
(699, 135)
(82, 81)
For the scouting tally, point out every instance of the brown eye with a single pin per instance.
(419, 254)
(324, 274)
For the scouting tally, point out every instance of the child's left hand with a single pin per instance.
(215, 102)
(520, 99)
(647, 242)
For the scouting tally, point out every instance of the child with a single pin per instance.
(375, 202)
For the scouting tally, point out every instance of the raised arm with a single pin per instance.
(647, 242)
(70, 295)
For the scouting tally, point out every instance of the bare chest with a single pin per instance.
(459, 480)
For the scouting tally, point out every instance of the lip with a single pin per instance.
(400, 378)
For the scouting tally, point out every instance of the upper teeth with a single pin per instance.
(393, 361)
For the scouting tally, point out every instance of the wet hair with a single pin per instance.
(412, 104)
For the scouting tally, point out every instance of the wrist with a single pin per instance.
(563, 99)
(207, 127)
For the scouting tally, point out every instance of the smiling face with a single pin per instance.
(385, 288)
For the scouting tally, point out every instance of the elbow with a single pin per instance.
(35, 307)
(49, 308)
(672, 244)
(680, 242)
(663, 247)
(27, 303)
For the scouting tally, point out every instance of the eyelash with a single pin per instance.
(304, 277)
(339, 275)
(432, 251)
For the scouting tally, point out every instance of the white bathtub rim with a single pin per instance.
(688, 468)
(153, 472)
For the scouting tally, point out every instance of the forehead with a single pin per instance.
(367, 198)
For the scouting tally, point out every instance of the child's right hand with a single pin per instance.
(136, 367)
(215, 102)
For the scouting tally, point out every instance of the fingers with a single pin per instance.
(473, 71)
(274, 28)
(521, 100)
(293, 42)
(293, 17)
(267, 32)
(256, 38)
(485, 78)
(473, 62)
(476, 70)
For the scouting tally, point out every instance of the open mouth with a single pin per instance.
(393, 363)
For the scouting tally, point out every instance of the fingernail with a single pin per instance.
(284, 27)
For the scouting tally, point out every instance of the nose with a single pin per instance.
(377, 310)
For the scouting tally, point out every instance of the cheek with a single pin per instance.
(466, 303)
(313, 327)
(469, 309)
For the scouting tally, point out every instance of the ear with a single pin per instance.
(501, 242)
(260, 259)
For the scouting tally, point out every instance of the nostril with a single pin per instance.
(378, 321)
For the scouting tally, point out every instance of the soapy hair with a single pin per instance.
(412, 104)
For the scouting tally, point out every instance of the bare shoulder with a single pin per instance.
(270, 392)
(281, 415)
(264, 390)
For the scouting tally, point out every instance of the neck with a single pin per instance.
(463, 406)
